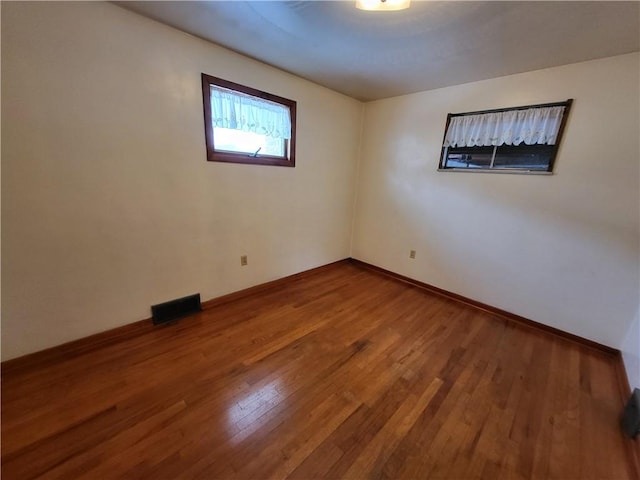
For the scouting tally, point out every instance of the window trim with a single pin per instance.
(567, 104)
(214, 155)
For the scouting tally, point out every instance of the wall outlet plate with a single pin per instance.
(243, 260)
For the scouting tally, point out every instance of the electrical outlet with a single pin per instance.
(412, 254)
(243, 260)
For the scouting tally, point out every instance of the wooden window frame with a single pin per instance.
(213, 155)
(567, 104)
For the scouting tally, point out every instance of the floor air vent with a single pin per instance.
(174, 309)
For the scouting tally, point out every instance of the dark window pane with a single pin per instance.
(469, 157)
(526, 157)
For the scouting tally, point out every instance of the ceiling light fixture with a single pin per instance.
(382, 5)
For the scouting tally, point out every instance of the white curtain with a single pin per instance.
(512, 127)
(239, 111)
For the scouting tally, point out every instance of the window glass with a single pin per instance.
(469, 157)
(519, 139)
(230, 140)
(527, 157)
(245, 125)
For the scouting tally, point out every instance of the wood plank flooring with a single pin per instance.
(343, 373)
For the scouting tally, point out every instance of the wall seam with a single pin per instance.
(354, 203)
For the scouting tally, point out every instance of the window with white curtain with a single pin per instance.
(245, 125)
(510, 140)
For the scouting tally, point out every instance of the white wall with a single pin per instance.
(560, 249)
(108, 204)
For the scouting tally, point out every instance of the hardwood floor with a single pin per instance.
(341, 374)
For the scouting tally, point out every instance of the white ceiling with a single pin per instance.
(373, 55)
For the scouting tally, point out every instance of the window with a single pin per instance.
(510, 140)
(245, 125)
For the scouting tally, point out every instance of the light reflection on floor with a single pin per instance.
(244, 416)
